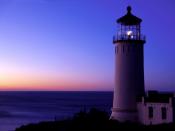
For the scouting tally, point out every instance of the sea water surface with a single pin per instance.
(21, 108)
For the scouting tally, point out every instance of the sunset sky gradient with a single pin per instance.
(67, 44)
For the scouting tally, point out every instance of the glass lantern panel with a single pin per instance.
(128, 31)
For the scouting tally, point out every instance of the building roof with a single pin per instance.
(157, 97)
(129, 18)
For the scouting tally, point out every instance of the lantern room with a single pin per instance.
(129, 28)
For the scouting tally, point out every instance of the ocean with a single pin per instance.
(21, 108)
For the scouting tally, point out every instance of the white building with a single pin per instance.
(155, 108)
(129, 67)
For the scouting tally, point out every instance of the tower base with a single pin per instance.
(123, 115)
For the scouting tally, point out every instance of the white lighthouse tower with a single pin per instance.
(129, 68)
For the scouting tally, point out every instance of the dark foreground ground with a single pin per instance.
(94, 120)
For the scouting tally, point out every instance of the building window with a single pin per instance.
(128, 48)
(150, 112)
(164, 112)
(116, 49)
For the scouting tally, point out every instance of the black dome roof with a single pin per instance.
(129, 19)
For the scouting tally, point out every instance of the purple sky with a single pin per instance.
(67, 44)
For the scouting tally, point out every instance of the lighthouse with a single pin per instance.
(129, 67)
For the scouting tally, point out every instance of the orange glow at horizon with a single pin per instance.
(30, 81)
(49, 84)
(43, 83)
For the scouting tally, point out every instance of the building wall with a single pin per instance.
(129, 80)
(143, 113)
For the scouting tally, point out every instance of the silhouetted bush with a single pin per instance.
(94, 120)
